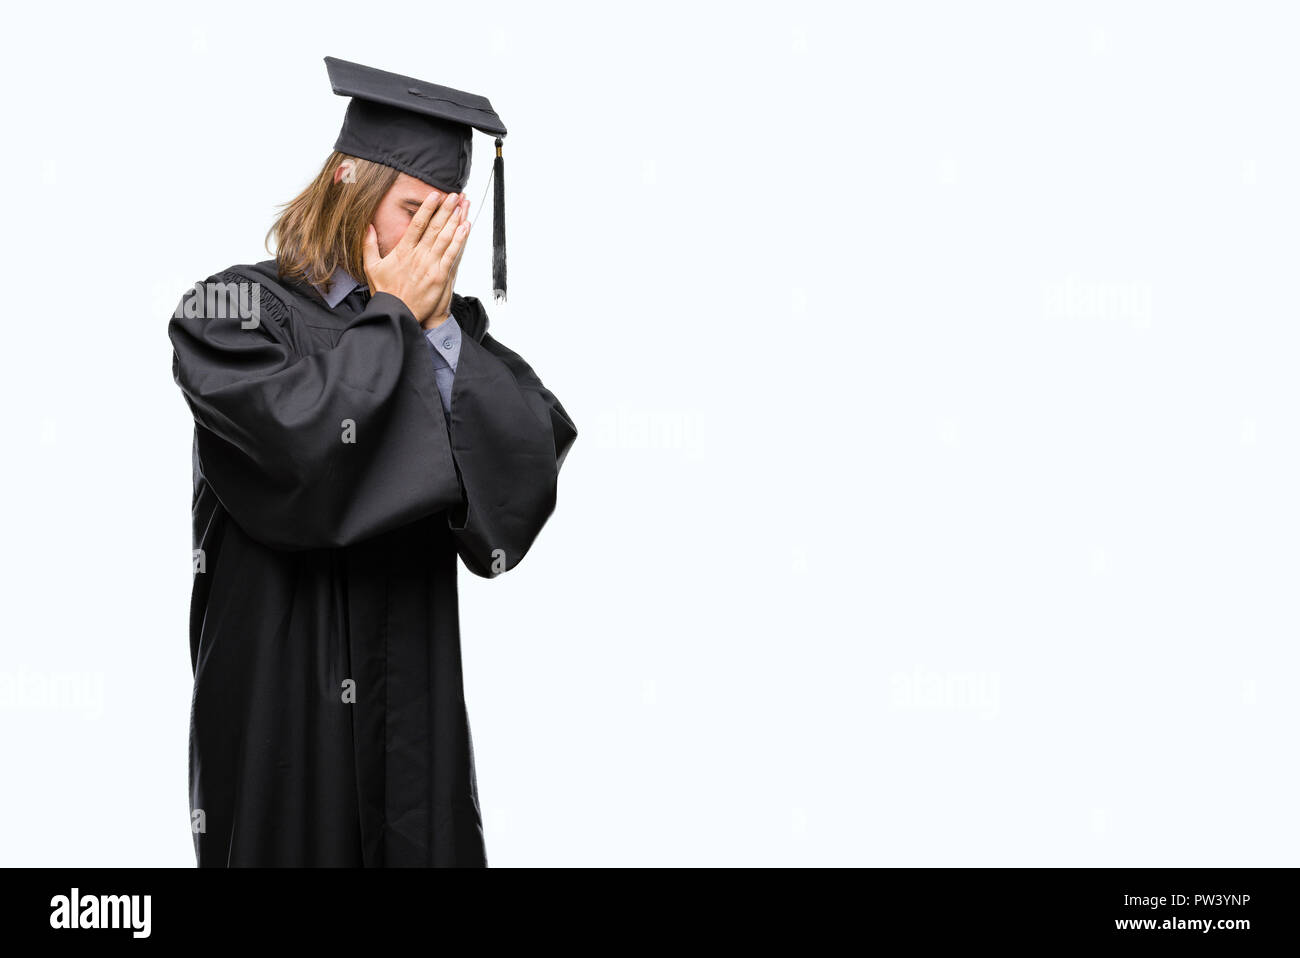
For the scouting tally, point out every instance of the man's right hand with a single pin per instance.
(421, 268)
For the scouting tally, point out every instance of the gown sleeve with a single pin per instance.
(320, 449)
(509, 437)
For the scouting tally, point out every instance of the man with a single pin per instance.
(351, 439)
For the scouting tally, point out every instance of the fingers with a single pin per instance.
(420, 221)
(453, 269)
(445, 221)
(450, 264)
(370, 249)
(455, 245)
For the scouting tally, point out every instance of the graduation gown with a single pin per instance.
(332, 497)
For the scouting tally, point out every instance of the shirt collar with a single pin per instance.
(341, 283)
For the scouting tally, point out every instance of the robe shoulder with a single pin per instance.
(471, 316)
(234, 292)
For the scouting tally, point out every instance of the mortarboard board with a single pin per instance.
(425, 131)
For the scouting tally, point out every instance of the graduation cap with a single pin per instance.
(425, 131)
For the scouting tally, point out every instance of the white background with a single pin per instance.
(935, 497)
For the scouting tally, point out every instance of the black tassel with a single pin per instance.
(499, 226)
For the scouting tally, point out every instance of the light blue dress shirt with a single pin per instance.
(444, 341)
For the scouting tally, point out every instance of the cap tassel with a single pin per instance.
(499, 226)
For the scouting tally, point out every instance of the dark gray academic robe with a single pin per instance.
(332, 496)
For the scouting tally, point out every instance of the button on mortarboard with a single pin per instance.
(424, 130)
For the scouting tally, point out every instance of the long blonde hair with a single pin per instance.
(324, 225)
